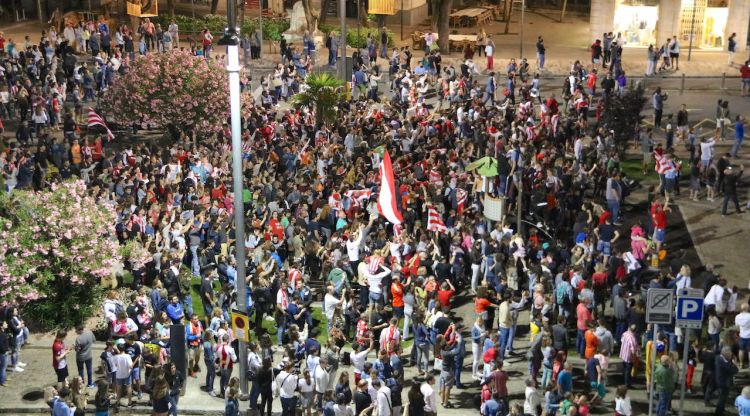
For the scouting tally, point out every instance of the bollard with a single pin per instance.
(682, 84)
(723, 80)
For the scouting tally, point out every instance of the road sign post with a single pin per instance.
(689, 316)
(659, 310)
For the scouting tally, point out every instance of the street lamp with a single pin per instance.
(231, 39)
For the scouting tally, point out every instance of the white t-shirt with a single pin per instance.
(622, 406)
(304, 387)
(329, 302)
(123, 364)
(742, 320)
(358, 360)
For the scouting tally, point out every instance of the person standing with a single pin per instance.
(731, 177)
(657, 100)
(664, 382)
(745, 75)
(4, 352)
(540, 52)
(726, 368)
(742, 321)
(477, 339)
(682, 123)
(83, 344)
(739, 135)
(175, 380)
(286, 385)
(123, 366)
(489, 51)
(226, 357)
(430, 398)
(732, 47)
(614, 197)
(59, 363)
(674, 53)
(193, 335)
(629, 351)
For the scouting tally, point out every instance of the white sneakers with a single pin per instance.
(18, 369)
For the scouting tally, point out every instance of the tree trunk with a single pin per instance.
(324, 10)
(214, 6)
(508, 14)
(443, 27)
(364, 20)
(242, 7)
(170, 7)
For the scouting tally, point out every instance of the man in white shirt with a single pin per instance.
(322, 380)
(227, 357)
(430, 398)
(390, 337)
(330, 301)
(285, 385)
(358, 358)
(383, 403)
(124, 365)
(742, 320)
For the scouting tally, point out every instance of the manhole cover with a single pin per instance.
(33, 395)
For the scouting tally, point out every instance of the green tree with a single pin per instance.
(622, 114)
(323, 94)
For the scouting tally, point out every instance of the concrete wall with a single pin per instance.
(739, 13)
(601, 18)
(415, 13)
(668, 24)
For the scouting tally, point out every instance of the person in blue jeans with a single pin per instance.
(739, 135)
(176, 380)
(4, 350)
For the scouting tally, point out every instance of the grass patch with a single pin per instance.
(633, 169)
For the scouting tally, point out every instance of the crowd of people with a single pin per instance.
(391, 294)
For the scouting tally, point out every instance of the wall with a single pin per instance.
(739, 13)
(415, 13)
(601, 17)
(668, 24)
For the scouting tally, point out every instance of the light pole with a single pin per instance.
(520, 33)
(232, 39)
(342, 21)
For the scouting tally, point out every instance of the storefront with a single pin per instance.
(643, 22)
(635, 21)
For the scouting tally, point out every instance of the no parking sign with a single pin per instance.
(240, 326)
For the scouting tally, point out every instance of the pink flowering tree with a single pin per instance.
(55, 247)
(173, 89)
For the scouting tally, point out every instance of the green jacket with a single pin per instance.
(664, 378)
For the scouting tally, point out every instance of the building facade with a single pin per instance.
(645, 22)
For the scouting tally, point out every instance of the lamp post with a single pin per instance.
(342, 21)
(520, 33)
(231, 39)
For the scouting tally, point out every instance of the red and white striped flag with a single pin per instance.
(461, 197)
(359, 196)
(387, 205)
(96, 120)
(435, 221)
(435, 177)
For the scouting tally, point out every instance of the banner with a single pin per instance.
(143, 8)
(382, 7)
(240, 326)
(494, 208)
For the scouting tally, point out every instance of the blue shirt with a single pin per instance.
(743, 405)
(491, 407)
(739, 131)
(565, 381)
(60, 408)
(174, 312)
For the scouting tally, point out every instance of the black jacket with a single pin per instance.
(725, 371)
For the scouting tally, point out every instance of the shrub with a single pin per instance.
(55, 247)
(171, 89)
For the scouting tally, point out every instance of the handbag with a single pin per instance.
(276, 82)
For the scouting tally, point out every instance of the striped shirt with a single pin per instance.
(628, 347)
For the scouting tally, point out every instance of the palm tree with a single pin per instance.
(324, 92)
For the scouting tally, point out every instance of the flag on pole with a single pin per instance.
(461, 196)
(387, 205)
(435, 221)
(96, 120)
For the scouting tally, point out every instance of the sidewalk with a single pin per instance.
(566, 42)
